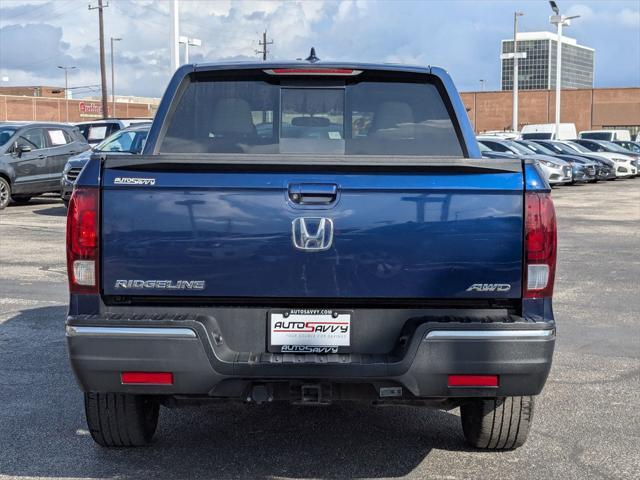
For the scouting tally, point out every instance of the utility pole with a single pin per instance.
(264, 44)
(113, 78)
(66, 87)
(103, 68)
(175, 35)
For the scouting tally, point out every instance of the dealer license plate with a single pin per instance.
(309, 331)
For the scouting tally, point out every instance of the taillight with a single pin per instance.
(83, 240)
(540, 245)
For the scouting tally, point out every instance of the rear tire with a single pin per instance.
(497, 423)
(5, 193)
(121, 420)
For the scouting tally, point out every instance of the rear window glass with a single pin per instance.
(597, 135)
(57, 137)
(361, 118)
(536, 136)
(96, 132)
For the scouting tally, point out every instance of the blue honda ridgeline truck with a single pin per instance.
(311, 233)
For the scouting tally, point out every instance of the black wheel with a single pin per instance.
(121, 420)
(21, 199)
(497, 423)
(5, 193)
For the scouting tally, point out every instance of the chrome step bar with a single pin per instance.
(130, 332)
(488, 334)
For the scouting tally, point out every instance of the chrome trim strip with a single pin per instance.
(142, 332)
(487, 334)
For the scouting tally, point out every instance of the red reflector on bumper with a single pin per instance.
(473, 380)
(147, 378)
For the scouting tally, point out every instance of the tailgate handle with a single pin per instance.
(313, 193)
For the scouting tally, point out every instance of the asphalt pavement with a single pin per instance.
(586, 423)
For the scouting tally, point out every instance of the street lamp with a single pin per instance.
(515, 56)
(113, 78)
(194, 42)
(559, 21)
(482, 80)
(66, 88)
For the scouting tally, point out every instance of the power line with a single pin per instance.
(54, 59)
(28, 11)
(60, 9)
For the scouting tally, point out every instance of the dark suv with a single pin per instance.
(32, 157)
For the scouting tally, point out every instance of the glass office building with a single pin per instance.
(538, 70)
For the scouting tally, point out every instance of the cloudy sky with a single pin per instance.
(461, 35)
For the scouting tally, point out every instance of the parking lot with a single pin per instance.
(587, 422)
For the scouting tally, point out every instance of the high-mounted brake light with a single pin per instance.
(314, 71)
(540, 245)
(83, 240)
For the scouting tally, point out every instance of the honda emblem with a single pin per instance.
(312, 234)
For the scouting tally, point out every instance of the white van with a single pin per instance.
(609, 135)
(547, 131)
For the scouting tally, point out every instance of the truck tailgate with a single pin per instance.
(428, 234)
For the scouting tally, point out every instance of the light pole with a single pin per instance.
(559, 21)
(113, 79)
(482, 80)
(515, 56)
(514, 122)
(175, 32)
(66, 88)
(194, 42)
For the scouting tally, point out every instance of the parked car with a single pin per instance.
(95, 131)
(503, 134)
(628, 161)
(606, 169)
(584, 170)
(547, 131)
(129, 141)
(556, 171)
(621, 163)
(609, 135)
(629, 145)
(486, 152)
(365, 265)
(32, 157)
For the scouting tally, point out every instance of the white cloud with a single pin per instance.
(630, 18)
(462, 36)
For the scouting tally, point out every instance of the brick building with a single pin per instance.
(52, 109)
(590, 108)
(587, 108)
(34, 91)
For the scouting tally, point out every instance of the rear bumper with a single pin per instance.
(202, 365)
